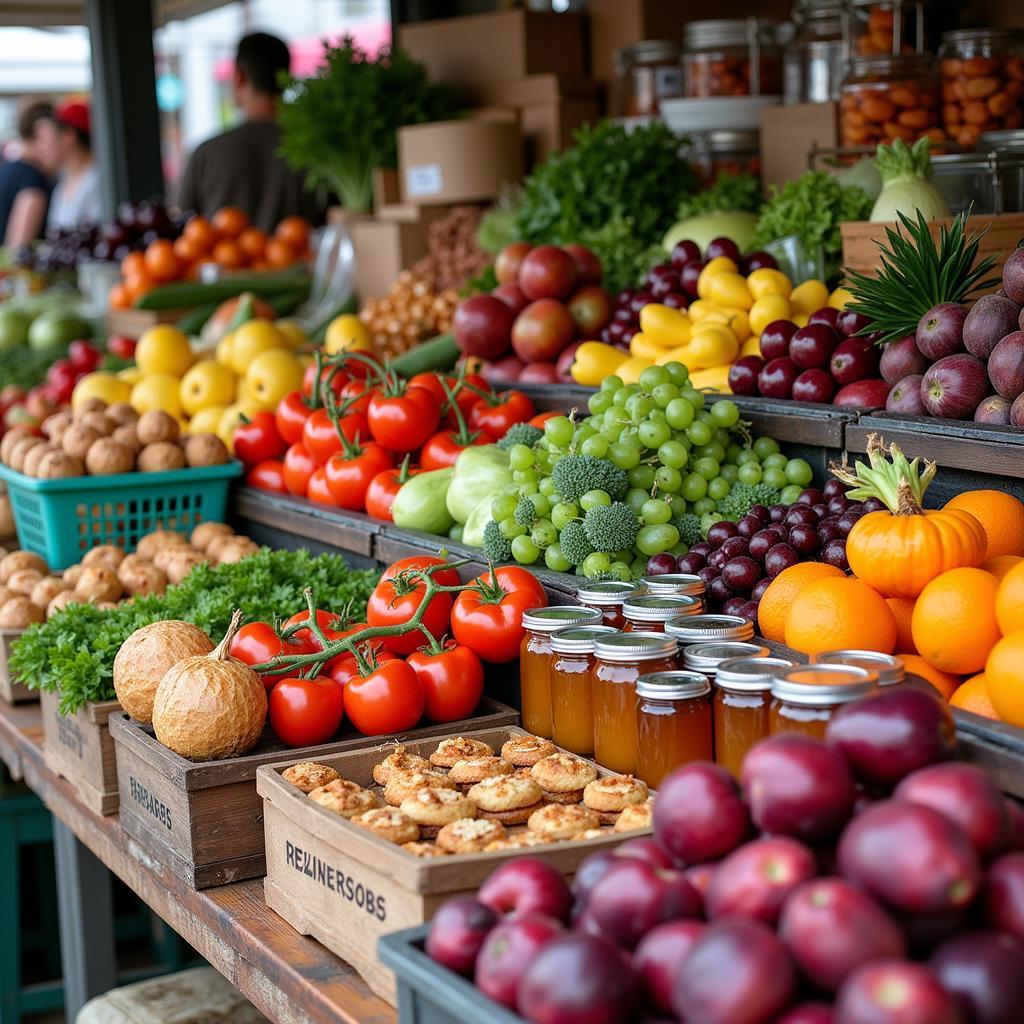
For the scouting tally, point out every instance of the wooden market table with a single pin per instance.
(290, 978)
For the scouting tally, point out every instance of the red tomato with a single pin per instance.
(489, 619)
(84, 357)
(498, 414)
(317, 489)
(381, 492)
(443, 577)
(344, 668)
(431, 382)
(542, 417)
(257, 642)
(349, 473)
(446, 446)
(359, 365)
(298, 468)
(401, 422)
(321, 437)
(61, 377)
(268, 476)
(453, 682)
(338, 379)
(292, 413)
(359, 393)
(120, 346)
(394, 603)
(388, 700)
(324, 618)
(305, 712)
(465, 389)
(259, 439)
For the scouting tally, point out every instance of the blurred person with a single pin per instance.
(77, 195)
(241, 167)
(26, 183)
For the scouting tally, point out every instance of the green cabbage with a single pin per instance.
(481, 471)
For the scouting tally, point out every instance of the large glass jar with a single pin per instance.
(652, 611)
(731, 57)
(607, 596)
(702, 629)
(805, 697)
(725, 151)
(619, 660)
(892, 26)
(890, 97)
(535, 661)
(673, 723)
(647, 73)
(982, 72)
(814, 59)
(888, 666)
(742, 702)
(572, 682)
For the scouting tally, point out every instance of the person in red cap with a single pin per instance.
(26, 183)
(77, 196)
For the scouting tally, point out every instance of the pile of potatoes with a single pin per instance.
(7, 529)
(106, 576)
(100, 439)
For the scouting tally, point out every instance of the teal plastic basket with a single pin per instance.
(61, 520)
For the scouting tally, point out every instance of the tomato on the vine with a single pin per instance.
(496, 415)
(358, 393)
(258, 439)
(453, 681)
(430, 381)
(466, 388)
(344, 667)
(488, 619)
(305, 712)
(402, 418)
(389, 699)
(257, 643)
(394, 602)
(291, 415)
(338, 379)
(298, 468)
(268, 476)
(350, 471)
(541, 418)
(317, 489)
(447, 577)
(322, 432)
(84, 356)
(384, 488)
(443, 448)
(325, 620)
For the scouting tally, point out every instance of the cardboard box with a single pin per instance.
(496, 47)
(788, 134)
(384, 248)
(459, 161)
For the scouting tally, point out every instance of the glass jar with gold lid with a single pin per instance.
(805, 697)
(653, 611)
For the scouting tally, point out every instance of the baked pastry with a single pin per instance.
(308, 776)
(403, 784)
(610, 795)
(469, 835)
(458, 748)
(633, 817)
(563, 777)
(423, 849)
(344, 798)
(510, 799)
(400, 759)
(389, 823)
(526, 751)
(433, 808)
(590, 833)
(523, 841)
(560, 821)
(466, 774)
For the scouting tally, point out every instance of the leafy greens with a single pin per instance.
(728, 193)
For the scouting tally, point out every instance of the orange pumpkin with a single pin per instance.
(900, 550)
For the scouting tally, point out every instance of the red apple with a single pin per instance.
(895, 992)
(1014, 826)
(1004, 894)
(548, 272)
(502, 371)
(901, 358)
(589, 872)
(563, 367)
(863, 394)
(775, 339)
(777, 377)
(743, 375)
(645, 848)
(512, 295)
(509, 260)
(590, 308)
(659, 957)
(808, 1013)
(955, 386)
(905, 397)
(507, 952)
(538, 373)
(588, 264)
(541, 331)
(984, 971)
(811, 347)
(814, 386)
(457, 932)
(854, 359)
(482, 326)
(527, 885)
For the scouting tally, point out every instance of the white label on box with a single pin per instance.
(423, 180)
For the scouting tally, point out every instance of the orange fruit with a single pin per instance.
(1001, 516)
(278, 253)
(945, 682)
(138, 284)
(200, 233)
(1000, 565)
(1004, 677)
(902, 609)
(161, 262)
(228, 254)
(829, 614)
(954, 623)
(295, 231)
(119, 297)
(252, 242)
(972, 695)
(134, 263)
(776, 600)
(1010, 600)
(186, 250)
(230, 221)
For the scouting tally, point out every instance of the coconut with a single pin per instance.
(205, 532)
(16, 560)
(211, 706)
(146, 656)
(110, 556)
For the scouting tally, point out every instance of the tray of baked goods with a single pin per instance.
(360, 844)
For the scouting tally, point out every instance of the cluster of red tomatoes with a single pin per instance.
(402, 678)
(356, 451)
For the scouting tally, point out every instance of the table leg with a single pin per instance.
(86, 912)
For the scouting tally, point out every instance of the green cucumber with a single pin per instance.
(180, 294)
(438, 353)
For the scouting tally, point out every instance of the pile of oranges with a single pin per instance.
(227, 239)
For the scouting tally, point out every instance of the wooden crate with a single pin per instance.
(10, 691)
(204, 820)
(79, 748)
(346, 887)
(861, 253)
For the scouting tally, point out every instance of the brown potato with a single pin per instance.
(125, 434)
(142, 578)
(205, 532)
(17, 560)
(8, 441)
(5, 594)
(160, 456)
(7, 529)
(206, 450)
(71, 574)
(61, 601)
(58, 465)
(110, 556)
(181, 563)
(23, 581)
(236, 549)
(46, 590)
(20, 449)
(98, 584)
(157, 425)
(121, 413)
(107, 457)
(19, 613)
(151, 543)
(34, 456)
(78, 439)
(100, 422)
(55, 424)
(89, 405)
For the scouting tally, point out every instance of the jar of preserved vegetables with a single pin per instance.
(731, 57)
(647, 73)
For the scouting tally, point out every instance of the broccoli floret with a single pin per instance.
(611, 527)
(521, 433)
(525, 513)
(573, 542)
(735, 504)
(496, 547)
(688, 525)
(574, 475)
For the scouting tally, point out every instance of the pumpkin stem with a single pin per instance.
(887, 476)
(220, 652)
(906, 501)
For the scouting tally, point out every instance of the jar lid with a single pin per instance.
(980, 35)
(572, 639)
(649, 49)
(728, 32)
(823, 685)
(959, 162)
(728, 139)
(818, 8)
(605, 592)
(707, 657)
(889, 668)
(547, 620)
(1011, 139)
(674, 583)
(695, 629)
(884, 64)
(672, 685)
(660, 607)
(749, 675)
(634, 646)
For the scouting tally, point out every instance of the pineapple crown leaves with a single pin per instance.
(888, 476)
(916, 274)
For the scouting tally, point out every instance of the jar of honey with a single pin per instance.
(535, 661)
(606, 596)
(888, 666)
(673, 723)
(805, 697)
(674, 584)
(702, 629)
(572, 672)
(619, 660)
(707, 657)
(741, 706)
(653, 611)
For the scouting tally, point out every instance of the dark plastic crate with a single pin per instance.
(431, 994)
